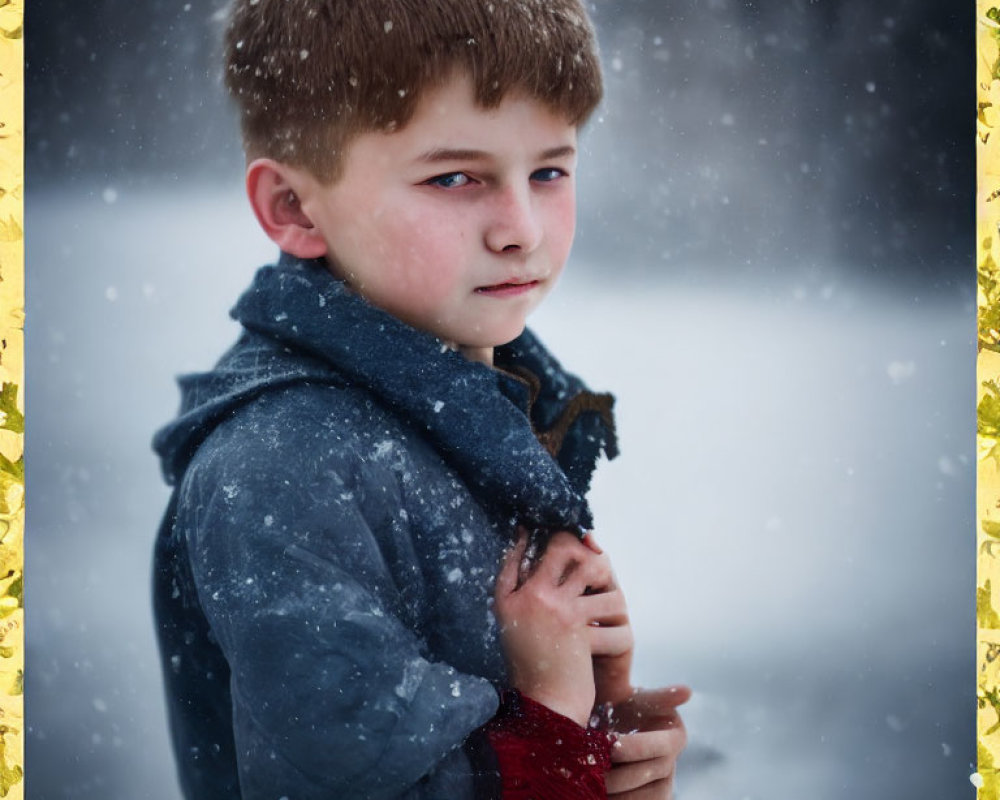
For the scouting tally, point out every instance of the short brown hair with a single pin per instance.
(310, 74)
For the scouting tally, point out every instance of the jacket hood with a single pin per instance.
(524, 436)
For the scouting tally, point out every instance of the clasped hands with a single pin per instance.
(568, 644)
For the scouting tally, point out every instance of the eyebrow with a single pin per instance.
(463, 154)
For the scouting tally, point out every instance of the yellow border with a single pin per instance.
(986, 778)
(11, 398)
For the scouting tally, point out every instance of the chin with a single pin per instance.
(494, 335)
(503, 336)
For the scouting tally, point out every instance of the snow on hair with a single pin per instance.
(308, 75)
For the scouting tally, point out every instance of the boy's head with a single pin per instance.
(426, 149)
(309, 75)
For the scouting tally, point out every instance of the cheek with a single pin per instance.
(426, 255)
(561, 227)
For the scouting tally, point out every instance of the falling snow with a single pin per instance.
(793, 407)
(900, 371)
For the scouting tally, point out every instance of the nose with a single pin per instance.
(515, 223)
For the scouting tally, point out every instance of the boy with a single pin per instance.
(341, 613)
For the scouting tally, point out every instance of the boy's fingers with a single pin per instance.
(652, 709)
(644, 762)
(660, 701)
(648, 745)
(626, 717)
(510, 571)
(657, 790)
(562, 556)
(593, 576)
(607, 608)
(611, 641)
(570, 564)
(630, 776)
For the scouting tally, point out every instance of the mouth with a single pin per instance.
(508, 288)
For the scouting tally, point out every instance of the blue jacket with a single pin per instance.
(344, 488)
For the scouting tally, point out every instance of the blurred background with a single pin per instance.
(773, 273)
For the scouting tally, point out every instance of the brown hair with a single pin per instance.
(310, 74)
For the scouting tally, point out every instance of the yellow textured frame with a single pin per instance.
(986, 779)
(11, 398)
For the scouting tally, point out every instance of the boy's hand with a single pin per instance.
(548, 614)
(612, 644)
(651, 736)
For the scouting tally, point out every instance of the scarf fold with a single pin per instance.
(525, 446)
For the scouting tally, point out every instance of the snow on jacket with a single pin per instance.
(344, 488)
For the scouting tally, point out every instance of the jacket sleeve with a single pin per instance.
(333, 692)
(542, 755)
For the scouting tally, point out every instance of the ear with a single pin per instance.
(274, 191)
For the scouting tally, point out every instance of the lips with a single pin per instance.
(508, 288)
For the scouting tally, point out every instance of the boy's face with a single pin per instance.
(459, 223)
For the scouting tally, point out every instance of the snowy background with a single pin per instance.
(774, 276)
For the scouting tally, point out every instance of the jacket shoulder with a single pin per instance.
(305, 452)
(290, 426)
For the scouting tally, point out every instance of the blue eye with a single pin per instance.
(547, 174)
(452, 180)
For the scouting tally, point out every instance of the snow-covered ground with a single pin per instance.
(791, 515)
